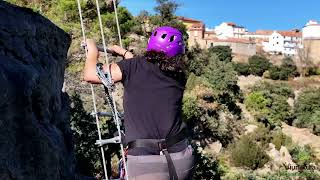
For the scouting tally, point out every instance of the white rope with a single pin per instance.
(117, 21)
(118, 121)
(93, 95)
(110, 80)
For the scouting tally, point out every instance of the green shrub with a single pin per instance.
(275, 72)
(247, 153)
(279, 139)
(268, 103)
(242, 68)
(223, 53)
(258, 65)
(289, 65)
(190, 108)
(306, 110)
(222, 78)
(302, 156)
(287, 70)
(197, 60)
(281, 89)
(207, 167)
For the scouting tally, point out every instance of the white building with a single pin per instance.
(311, 30)
(259, 35)
(230, 30)
(311, 41)
(283, 42)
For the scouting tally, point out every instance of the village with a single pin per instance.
(276, 43)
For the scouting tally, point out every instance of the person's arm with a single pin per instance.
(92, 59)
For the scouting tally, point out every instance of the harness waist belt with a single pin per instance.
(162, 145)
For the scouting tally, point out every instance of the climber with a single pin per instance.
(158, 147)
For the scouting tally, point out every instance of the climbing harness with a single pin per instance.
(162, 145)
(105, 77)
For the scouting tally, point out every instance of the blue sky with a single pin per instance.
(253, 14)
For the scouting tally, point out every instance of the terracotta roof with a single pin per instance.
(188, 19)
(231, 23)
(195, 29)
(264, 32)
(234, 25)
(209, 32)
(290, 33)
(232, 40)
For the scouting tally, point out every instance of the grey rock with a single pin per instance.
(35, 135)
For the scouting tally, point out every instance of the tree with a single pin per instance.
(258, 65)
(307, 108)
(268, 103)
(304, 59)
(197, 60)
(248, 153)
(224, 53)
(166, 16)
(166, 9)
(142, 18)
(287, 70)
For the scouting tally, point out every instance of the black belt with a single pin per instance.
(162, 145)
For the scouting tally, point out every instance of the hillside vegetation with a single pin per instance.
(227, 144)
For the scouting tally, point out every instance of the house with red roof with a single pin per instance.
(205, 38)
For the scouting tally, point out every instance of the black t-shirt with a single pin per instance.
(152, 104)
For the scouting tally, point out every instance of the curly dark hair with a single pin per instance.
(173, 67)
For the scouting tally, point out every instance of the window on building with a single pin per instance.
(277, 42)
(211, 44)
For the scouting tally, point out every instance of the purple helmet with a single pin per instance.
(168, 40)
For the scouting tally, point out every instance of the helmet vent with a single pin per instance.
(155, 33)
(164, 36)
(172, 38)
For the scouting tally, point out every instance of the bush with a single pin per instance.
(207, 167)
(190, 108)
(223, 53)
(242, 68)
(287, 70)
(281, 89)
(290, 67)
(204, 111)
(197, 60)
(306, 110)
(279, 139)
(302, 156)
(222, 76)
(258, 65)
(247, 153)
(268, 103)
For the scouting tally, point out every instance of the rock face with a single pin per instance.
(35, 137)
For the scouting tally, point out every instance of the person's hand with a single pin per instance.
(121, 51)
(118, 50)
(92, 47)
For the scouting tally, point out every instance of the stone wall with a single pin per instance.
(313, 47)
(35, 135)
